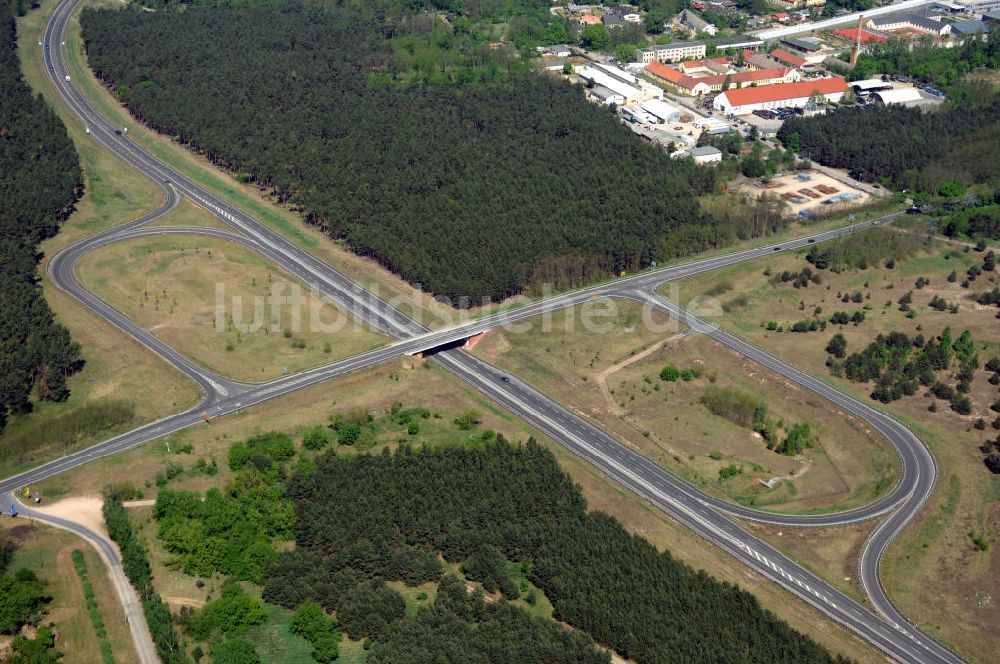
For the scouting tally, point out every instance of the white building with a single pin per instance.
(670, 52)
(902, 96)
(603, 95)
(638, 115)
(661, 110)
(747, 100)
(912, 22)
(620, 74)
(712, 125)
(705, 154)
(629, 93)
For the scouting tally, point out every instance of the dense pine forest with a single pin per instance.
(365, 519)
(471, 179)
(40, 180)
(905, 147)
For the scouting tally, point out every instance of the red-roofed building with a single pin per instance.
(784, 57)
(681, 80)
(748, 100)
(852, 35)
(590, 20)
(781, 16)
(676, 80)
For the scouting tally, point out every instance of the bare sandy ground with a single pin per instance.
(85, 510)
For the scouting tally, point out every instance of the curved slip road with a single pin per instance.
(703, 514)
(108, 551)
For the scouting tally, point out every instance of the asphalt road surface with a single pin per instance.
(887, 629)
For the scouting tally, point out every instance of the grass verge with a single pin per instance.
(178, 286)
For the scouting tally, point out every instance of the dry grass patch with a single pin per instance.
(614, 379)
(172, 286)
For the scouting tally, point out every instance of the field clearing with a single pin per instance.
(172, 286)
(790, 184)
(48, 552)
(613, 379)
(934, 571)
(411, 384)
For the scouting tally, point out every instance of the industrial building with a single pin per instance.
(786, 58)
(556, 64)
(705, 154)
(762, 61)
(697, 23)
(600, 78)
(638, 115)
(970, 29)
(714, 126)
(870, 85)
(603, 95)
(670, 52)
(906, 23)
(620, 74)
(661, 110)
(738, 43)
(902, 96)
(799, 95)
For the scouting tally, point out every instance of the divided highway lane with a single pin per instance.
(901, 641)
(648, 479)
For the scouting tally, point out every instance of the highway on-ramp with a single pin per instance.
(706, 515)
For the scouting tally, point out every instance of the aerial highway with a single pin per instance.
(706, 515)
